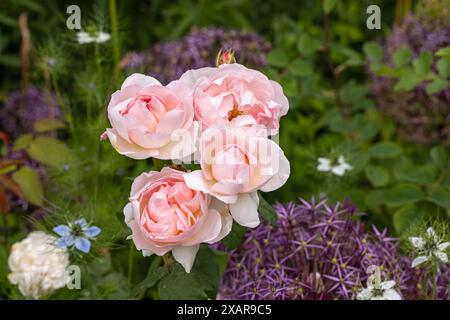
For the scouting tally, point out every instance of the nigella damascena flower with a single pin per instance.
(420, 117)
(22, 108)
(317, 251)
(430, 247)
(77, 233)
(196, 50)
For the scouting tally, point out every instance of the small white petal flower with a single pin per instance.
(377, 290)
(417, 242)
(442, 256)
(387, 285)
(429, 247)
(391, 294)
(102, 37)
(443, 246)
(84, 37)
(364, 294)
(324, 165)
(432, 234)
(419, 260)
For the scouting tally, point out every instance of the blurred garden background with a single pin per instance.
(377, 100)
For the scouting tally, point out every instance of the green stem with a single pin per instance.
(130, 263)
(434, 275)
(115, 31)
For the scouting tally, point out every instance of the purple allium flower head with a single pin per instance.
(23, 107)
(167, 61)
(420, 117)
(316, 251)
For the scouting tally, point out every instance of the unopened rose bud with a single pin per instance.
(225, 57)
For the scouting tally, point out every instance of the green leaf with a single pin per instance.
(153, 277)
(385, 150)
(408, 81)
(441, 197)
(45, 125)
(404, 194)
(375, 199)
(49, 151)
(235, 237)
(22, 142)
(423, 175)
(328, 5)
(402, 57)
(301, 68)
(443, 67)
(30, 184)
(439, 157)
(377, 175)
(436, 86)
(308, 45)
(266, 211)
(443, 52)
(201, 283)
(407, 216)
(278, 58)
(373, 51)
(422, 64)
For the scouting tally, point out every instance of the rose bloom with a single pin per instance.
(237, 96)
(235, 163)
(164, 215)
(37, 266)
(150, 120)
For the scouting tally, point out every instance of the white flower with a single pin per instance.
(377, 290)
(99, 37)
(37, 266)
(326, 165)
(429, 246)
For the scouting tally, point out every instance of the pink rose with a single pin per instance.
(164, 214)
(235, 163)
(150, 120)
(235, 95)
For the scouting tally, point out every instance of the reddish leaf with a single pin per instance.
(10, 185)
(9, 162)
(4, 137)
(4, 204)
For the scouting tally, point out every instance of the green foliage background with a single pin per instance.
(321, 52)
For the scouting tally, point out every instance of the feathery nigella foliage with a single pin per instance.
(198, 49)
(317, 252)
(24, 107)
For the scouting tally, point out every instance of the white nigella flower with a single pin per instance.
(326, 165)
(376, 289)
(429, 246)
(37, 266)
(99, 37)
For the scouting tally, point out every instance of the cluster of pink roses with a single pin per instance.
(221, 117)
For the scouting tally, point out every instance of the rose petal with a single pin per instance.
(186, 256)
(245, 210)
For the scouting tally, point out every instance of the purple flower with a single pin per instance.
(23, 107)
(316, 251)
(167, 61)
